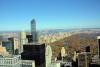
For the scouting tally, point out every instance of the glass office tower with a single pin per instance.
(33, 30)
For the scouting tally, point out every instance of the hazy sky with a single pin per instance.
(49, 14)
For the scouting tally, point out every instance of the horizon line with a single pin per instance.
(45, 29)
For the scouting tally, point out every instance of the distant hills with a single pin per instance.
(81, 30)
(51, 31)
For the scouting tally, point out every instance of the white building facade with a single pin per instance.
(11, 62)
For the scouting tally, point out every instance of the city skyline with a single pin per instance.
(49, 14)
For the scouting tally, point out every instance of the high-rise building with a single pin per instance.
(87, 49)
(9, 47)
(15, 45)
(63, 52)
(48, 55)
(30, 38)
(36, 52)
(33, 30)
(84, 59)
(98, 40)
(23, 40)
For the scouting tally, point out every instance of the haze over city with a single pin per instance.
(49, 14)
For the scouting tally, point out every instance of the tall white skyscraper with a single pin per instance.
(48, 55)
(23, 40)
(98, 40)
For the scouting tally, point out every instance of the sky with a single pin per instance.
(49, 14)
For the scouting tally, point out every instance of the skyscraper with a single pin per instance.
(48, 55)
(84, 59)
(98, 39)
(87, 48)
(33, 30)
(14, 44)
(23, 40)
(36, 52)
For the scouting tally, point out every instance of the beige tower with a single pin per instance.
(48, 55)
(63, 53)
(23, 40)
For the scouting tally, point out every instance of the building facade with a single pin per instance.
(48, 55)
(15, 45)
(27, 63)
(36, 52)
(23, 40)
(84, 59)
(98, 41)
(14, 61)
(8, 45)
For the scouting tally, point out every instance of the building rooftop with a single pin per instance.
(35, 43)
(98, 37)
